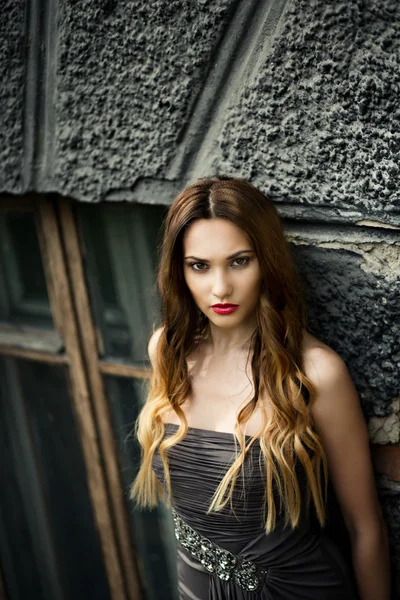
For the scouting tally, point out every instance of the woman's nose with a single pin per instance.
(221, 286)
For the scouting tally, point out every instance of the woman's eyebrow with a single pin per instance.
(234, 255)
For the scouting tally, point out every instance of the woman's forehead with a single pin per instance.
(213, 236)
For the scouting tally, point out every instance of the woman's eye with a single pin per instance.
(194, 265)
(244, 260)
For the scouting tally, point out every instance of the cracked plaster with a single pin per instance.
(377, 257)
(386, 430)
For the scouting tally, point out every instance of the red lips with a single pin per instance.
(224, 305)
(224, 309)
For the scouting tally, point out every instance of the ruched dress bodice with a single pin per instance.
(300, 563)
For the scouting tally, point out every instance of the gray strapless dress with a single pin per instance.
(301, 564)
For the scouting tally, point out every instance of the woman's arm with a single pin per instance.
(340, 424)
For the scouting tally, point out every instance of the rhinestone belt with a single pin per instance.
(215, 559)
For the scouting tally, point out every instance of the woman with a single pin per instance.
(248, 413)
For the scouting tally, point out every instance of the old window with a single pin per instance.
(77, 304)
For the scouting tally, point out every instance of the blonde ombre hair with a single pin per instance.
(286, 435)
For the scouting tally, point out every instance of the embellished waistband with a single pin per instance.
(227, 566)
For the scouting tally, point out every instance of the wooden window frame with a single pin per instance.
(74, 328)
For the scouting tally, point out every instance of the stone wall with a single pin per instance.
(12, 74)
(115, 100)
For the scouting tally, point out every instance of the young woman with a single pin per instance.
(248, 415)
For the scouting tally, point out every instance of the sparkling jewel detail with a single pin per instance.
(216, 560)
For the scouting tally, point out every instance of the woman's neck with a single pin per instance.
(222, 341)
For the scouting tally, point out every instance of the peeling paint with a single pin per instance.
(386, 430)
(369, 223)
(378, 258)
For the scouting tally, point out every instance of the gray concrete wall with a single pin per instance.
(12, 97)
(118, 100)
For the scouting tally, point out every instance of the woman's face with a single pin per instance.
(220, 267)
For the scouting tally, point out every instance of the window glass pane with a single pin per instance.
(121, 253)
(152, 530)
(23, 291)
(49, 543)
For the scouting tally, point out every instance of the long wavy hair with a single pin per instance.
(286, 435)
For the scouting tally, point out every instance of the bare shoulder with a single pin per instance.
(336, 397)
(169, 416)
(192, 358)
(322, 365)
(152, 345)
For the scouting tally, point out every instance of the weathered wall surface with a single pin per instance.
(118, 100)
(352, 280)
(12, 72)
(327, 130)
(127, 77)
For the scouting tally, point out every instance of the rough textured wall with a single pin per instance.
(353, 303)
(299, 95)
(12, 73)
(320, 121)
(127, 77)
